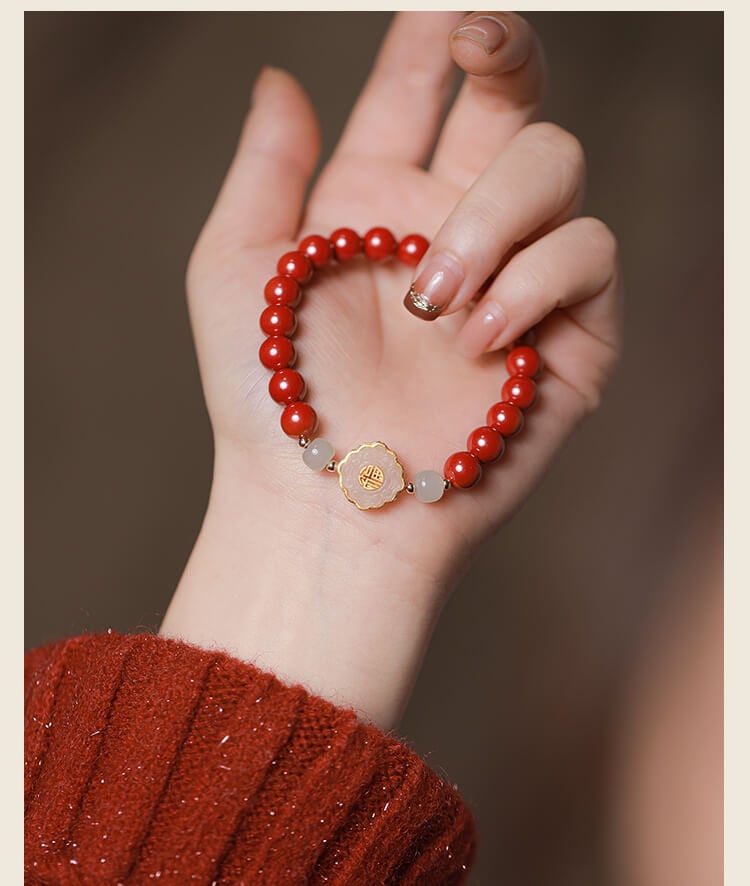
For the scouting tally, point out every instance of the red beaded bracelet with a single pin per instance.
(371, 475)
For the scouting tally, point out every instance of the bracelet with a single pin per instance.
(371, 475)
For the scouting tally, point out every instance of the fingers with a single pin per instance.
(399, 110)
(504, 63)
(572, 268)
(538, 178)
(262, 195)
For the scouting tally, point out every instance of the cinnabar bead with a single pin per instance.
(296, 265)
(317, 249)
(286, 386)
(299, 420)
(411, 249)
(277, 352)
(486, 443)
(505, 418)
(379, 243)
(523, 360)
(462, 469)
(520, 391)
(283, 291)
(346, 244)
(278, 320)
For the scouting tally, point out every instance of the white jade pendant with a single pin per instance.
(371, 475)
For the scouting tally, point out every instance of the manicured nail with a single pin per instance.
(481, 329)
(434, 287)
(488, 32)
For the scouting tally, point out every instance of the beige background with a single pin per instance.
(130, 122)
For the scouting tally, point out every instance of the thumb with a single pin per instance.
(262, 196)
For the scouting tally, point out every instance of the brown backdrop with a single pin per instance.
(131, 121)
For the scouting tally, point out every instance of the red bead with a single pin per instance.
(317, 249)
(520, 391)
(278, 320)
(282, 291)
(297, 265)
(277, 352)
(523, 361)
(486, 444)
(346, 243)
(286, 386)
(411, 249)
(379, 243)
(299, 420)
(463, 470)
(505, 418)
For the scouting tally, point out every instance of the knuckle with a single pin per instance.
(598, 236)
(482, 220)
(526, 280)
(550, 139)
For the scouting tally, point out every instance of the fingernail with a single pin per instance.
(434, 287)
(488, 32)
(481, 329)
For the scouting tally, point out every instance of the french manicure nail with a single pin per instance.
(481, 329)
(434, 287)
(488, 32)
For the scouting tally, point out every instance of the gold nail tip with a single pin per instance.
(417, 304)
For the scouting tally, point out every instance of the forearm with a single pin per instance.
(291, 589)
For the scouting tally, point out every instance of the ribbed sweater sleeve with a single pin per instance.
(150, 759)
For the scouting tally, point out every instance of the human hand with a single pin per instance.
(498, 193)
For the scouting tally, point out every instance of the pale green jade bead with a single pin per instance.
(318, 454)
(429, 486)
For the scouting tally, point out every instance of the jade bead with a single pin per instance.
(429, 486)
(318, 454)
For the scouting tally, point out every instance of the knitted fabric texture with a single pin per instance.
(150, 759)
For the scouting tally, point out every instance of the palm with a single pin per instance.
(373, 371)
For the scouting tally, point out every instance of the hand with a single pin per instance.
(506, 192)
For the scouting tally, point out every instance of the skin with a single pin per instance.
(286, 573)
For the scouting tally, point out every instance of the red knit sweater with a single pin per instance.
(149, 759)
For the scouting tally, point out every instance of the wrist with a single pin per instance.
(306, 590)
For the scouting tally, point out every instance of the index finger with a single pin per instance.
(398, 113)
(504, 86)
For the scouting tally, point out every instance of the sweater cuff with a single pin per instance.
(149, 758)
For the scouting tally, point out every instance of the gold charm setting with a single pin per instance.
(371, 475)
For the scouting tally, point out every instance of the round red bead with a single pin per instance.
(411, 249)
(462, 469)
(505, 418)
(299, 420)
(278, 320)
(523, 361)
(317, 249)
(346, 244)
(296, 265)
(286, 386)
(486, 444)
(282, 291)
(520, 391)
(379, 243)
(277, 352)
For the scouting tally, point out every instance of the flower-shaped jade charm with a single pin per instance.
(371, 475)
